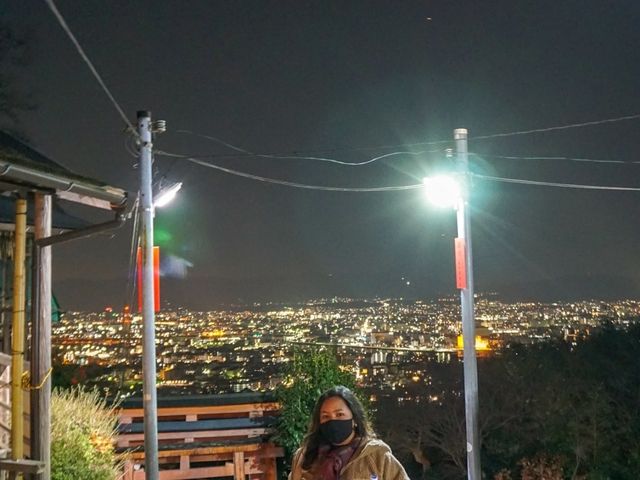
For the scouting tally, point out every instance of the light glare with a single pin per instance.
(442, 190)
(165, 196)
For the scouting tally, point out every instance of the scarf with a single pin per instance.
(331, 459)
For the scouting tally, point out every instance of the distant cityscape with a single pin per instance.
(393, 347)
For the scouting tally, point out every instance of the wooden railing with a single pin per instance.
(204, 436)
(12, 468)
(5, 403)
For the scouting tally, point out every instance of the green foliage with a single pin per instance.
(309, 374)
(82, 436)
(579, 405)
(548, 411)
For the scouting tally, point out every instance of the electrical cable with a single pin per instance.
(130, 145)
(131, 274)
(572, 159)
(296, 157)
(393, 188)
(634, 116)
(555, 184)
(298, 153)
(287, 183)
(437, 142)
(84, 56)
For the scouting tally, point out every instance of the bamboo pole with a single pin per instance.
(18, 327)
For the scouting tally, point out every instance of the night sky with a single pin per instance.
(327, 77)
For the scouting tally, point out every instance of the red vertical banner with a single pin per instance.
(461, 263)
(139, 270)
(156, 278)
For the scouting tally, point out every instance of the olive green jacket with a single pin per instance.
(372, 461)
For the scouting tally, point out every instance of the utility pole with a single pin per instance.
(467, 307)
(149, 400)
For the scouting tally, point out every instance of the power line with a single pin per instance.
(572, 159)
(287, 183)
(247, 153)
(390, 188)
(84, 56)
(555, 184)
(298, 153)
(634, 116)
(417, 144)
(399, 187)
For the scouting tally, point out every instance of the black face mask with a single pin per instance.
(336, 431)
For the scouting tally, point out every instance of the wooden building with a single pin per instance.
(32, 188)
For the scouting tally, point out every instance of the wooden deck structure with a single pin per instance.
(204, 436)
(31, 185)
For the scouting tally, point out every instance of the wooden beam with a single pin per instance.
(41, 341)
(260, 449)
(128, 414)
(196, 473)
(238, 466)
(125, 440)
(270, 469)
(21, 466)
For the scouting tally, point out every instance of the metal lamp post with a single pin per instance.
(149, 392)
(464, 259)
(447, 191)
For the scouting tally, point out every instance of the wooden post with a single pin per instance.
(41, 350)
(238, 466)
(5, 242)
(17, 333)
(270, 468)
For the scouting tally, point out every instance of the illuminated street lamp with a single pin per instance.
(442, 191)
(451, 192)
(166, 195)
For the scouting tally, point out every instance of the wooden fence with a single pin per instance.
(204, 436)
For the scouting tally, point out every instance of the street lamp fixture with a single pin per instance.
(442, 191)
(166, 195)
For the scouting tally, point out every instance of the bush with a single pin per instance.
(83, 431)
(308, 375)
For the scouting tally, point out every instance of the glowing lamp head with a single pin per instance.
(442, 190)
(165, 196)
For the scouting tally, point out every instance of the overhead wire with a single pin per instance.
(554, 184)
(572, 159)
(399, 187)
(244, 152)
(72, 37)
(634, 116)
(248, 153)
(131, 273)
(289, 183)
(403, 187)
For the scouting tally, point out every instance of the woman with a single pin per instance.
(340, 444)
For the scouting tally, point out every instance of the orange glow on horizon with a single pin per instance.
(482, 344)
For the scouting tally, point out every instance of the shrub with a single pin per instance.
(309, 374)
(83, 430)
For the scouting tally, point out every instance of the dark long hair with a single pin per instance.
(313, 440)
